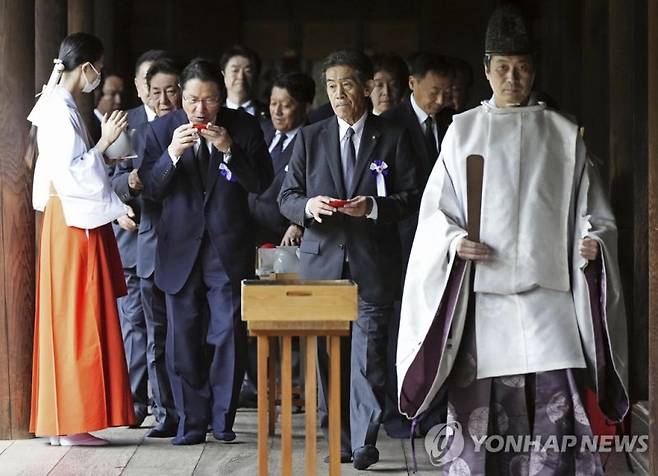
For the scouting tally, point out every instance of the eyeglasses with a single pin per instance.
(208, 102)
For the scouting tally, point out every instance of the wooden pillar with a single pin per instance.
(621, 164)
(80, 16)
(81, 19)
(652, 190)
(49, 31)
(16, 217)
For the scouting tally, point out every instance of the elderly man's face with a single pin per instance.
(432, 92)
(511, 79)
(286, 112)
(239, 76)
(140, 82)
(111, 95)
(386, 91)
(348, 97)
(201, 100)
(164, 93)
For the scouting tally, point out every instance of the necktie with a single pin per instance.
(278, 150)
(430, 140)
(203, 161)
(350, 159)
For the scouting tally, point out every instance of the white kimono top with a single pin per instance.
(532, 311)
(68, 161)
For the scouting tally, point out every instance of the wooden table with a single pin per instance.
(311, 309)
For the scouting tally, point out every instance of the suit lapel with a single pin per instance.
(369, 139)
(188, 161)
(284, 158)
(332, 149)
(216, 158)
(416, 132)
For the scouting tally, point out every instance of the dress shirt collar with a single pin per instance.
(248, 106)
(357, 126)
(290, 135)
(420, 114)
(150, 113)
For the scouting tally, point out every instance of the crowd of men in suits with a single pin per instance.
(216, 174)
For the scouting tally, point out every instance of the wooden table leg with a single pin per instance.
(310, 403)
(262, 405)
(286, 407)
(271, 383)
(334, 406)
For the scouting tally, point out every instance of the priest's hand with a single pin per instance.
(126, 221)
(112, 126)
(293, 236)
(589, 249)
(467, 249)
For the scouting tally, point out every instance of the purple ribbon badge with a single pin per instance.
(379, 170)
(226, 173)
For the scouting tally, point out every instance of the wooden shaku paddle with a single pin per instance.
(474, 173)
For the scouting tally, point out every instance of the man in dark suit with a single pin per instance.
(165, 96)
(430, 81)
(131, 313)
(241, 68)
(368, 161)
(291, 100)
(200, 163)
(426, 114)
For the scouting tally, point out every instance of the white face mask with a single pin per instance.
(89, 87)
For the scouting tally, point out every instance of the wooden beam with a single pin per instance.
(652, 139)
(16, 217)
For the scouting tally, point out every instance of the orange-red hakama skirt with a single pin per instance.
(79, 374)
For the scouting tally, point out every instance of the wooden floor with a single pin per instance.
(132, 454)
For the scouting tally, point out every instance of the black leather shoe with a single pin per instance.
(139, 419)
(345, 457)
(162, 430)
(365, 456)
(224, 436)
(191, 438)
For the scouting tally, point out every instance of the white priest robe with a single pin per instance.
(532, 309)
(67, 160)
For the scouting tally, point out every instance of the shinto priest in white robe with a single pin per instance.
(539, 305)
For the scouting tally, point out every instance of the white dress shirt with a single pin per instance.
(422, 117)
(290, 135)
(357, 127)
(248, 106)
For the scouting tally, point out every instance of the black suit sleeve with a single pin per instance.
(404, 200)
(250, 160)
(157, 170)
(265, 210)
(292, 197)
(120, 180)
